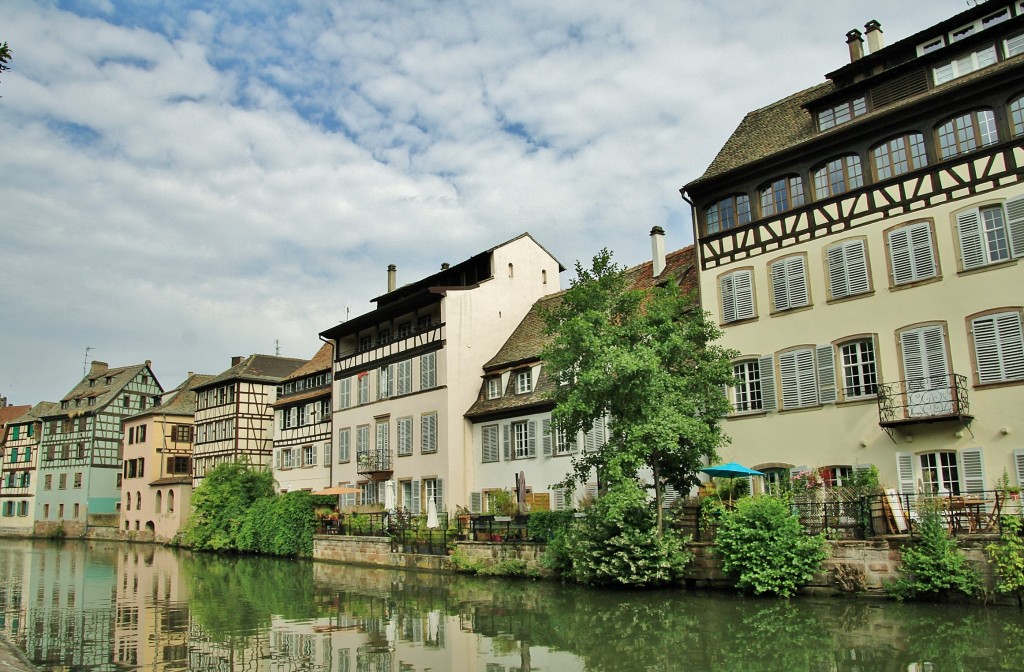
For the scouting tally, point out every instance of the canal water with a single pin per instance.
(77, 605)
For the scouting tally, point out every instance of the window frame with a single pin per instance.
(977, 247)
(956, 138)
(747, 387)
(725, 214)
(840, 113)
(911, 160)
(860, 376)
(524, 381)
(793, 198)
(851, 172)
(494, 387)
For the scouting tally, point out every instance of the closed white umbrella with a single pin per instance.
(389, 496)
(431, 514)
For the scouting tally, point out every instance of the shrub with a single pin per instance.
(545, 525)
(934, 564)
(1008, 558)
(766, 548)
(618, 544)
(220, 504)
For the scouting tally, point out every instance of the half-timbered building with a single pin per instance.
(80, 464)
(234, 419)
(302, 427)
(859, 244)
(156, 475)
(19, 454)
(406, 372)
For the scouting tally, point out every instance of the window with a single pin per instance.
(344, 445)
(364, 387)
(23, 508)
(848, 269)
(309, 456)
(747, 391)
(1017, 111)
(362, 439)
(428, 370)
(299, 410)
(789, 283)
(489, 443)
(179, 465)
(967, 133)
(403, 385)
(182, 433)
(494, 387)
(899, 155)
(383, 437)
(385, 381)
(428, 433)
(78, 479)
(325, 410)
(48, 482)
(940, 473)
(62, 482)
(737, 293)
(964, 64)
(796, 372)
(524, 382)
(838, 176)
(170, 501)
(781, 195)
(911, 254)
(841, 113)
(860, 376)
(403, 426)
(998, 347)
(727, 214)
(522, 436)
(432, 491)
(988, 234)
(345, 392)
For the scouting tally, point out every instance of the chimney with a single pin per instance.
(873, 29)
(236, 360)
(856, 44)
(392, 277)
(657, 250)
(445, 266)
(97, 367)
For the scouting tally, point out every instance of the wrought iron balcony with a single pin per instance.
(378, 465)
(920, 400)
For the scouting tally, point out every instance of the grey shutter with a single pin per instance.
(905, 473)
(531, 438)
(1018, 463)
(475, 502)
(546, 436)
(766, 371)
(826, 374)
(972, 472)
(1015, 226)
(440, 495)
(507, 444)
(416, 498)
(968, 229)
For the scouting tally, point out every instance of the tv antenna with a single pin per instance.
(85, 360)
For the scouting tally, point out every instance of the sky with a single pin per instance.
(188, 181)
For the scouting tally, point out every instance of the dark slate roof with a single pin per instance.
(100, 389)
(181, 400)
(525, 345)
(510, 403)
(257, 368)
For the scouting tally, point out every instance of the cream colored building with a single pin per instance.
(20, 432)
(406, 372)
(859, 245)
(156, 479)
(302, 426)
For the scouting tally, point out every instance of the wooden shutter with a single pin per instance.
(1015, 226)
(905, 473)
(416, 497)
(737, 296)
(789, 283)
(531, 438)
(972, 247)
(506, 429)
(848, 269)
(476, 502)
(999, 347)
(826, 374)
(1018, 463)
(766, 372)
(545, 425)
(910, 251)
(404, 385)
(345, 392)
(797, 375)
(489, 443)
(972, 470)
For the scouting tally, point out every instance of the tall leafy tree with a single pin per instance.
(5, 57)
(646, 359)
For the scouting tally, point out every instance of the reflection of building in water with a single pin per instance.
(151, 610)
(56, 605)
(249, 653)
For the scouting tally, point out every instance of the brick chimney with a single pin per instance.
(392, 277)
(96, 367)
(657, 250)
(873, 30)
(856, 44)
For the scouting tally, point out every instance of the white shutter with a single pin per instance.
(439, 495)
(345, 392)
(905, 473)
(796, 373)
(545, 427)
(508, 442)
(416, 498)
(404, 385)
(737, 296)
(826, 374)
(475, 502)
(972, 471)
(277, 459)
(766, 371)
(489, 440)
(848, 269)
(558, 497)
(727, 287)
(531, 438)
(972, 249)
(1015, 226)
(911, 254)
(789, 283)
(1018, 463)
(999, 347)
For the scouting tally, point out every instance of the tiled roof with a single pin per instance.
(257, 368)
(321, 362)
(527, 342)
(181, 400)
(11, 413)
(509, 402)
(95, 386)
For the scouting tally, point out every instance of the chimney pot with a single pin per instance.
(445, 266)
(873, 29)
(856, 44)
(392, 277)
(657, 250)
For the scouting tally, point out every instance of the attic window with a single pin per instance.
(92, 382)
(841, 113)
(494, 387)
(934, 45)
(964, 64)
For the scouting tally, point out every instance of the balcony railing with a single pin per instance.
(375, 463)
(928, 399)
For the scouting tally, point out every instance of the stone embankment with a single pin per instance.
(13, 660)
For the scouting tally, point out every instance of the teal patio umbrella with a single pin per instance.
(731, 470)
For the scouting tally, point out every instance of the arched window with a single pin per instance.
(138, 500)
(838, 176)
(159, 500)
(899, 155)
(1017, 115)
(170, 501)
(128, 502)
(781, 194)
(727, 213)
(966, 133)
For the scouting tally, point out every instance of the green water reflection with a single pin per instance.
(101, 606)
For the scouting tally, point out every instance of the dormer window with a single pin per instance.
(964, 64)
(841, 113)
(524, 382)
(934, 45)
(494, 387)
(728, 213)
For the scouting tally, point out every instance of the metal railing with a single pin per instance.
(966, 513)
(923, 399)
(408, 532)
(374, 460)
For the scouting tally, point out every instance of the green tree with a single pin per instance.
(5, 57)
(221, 503)
(934, 564)
(1008, 558)
(645, 359)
